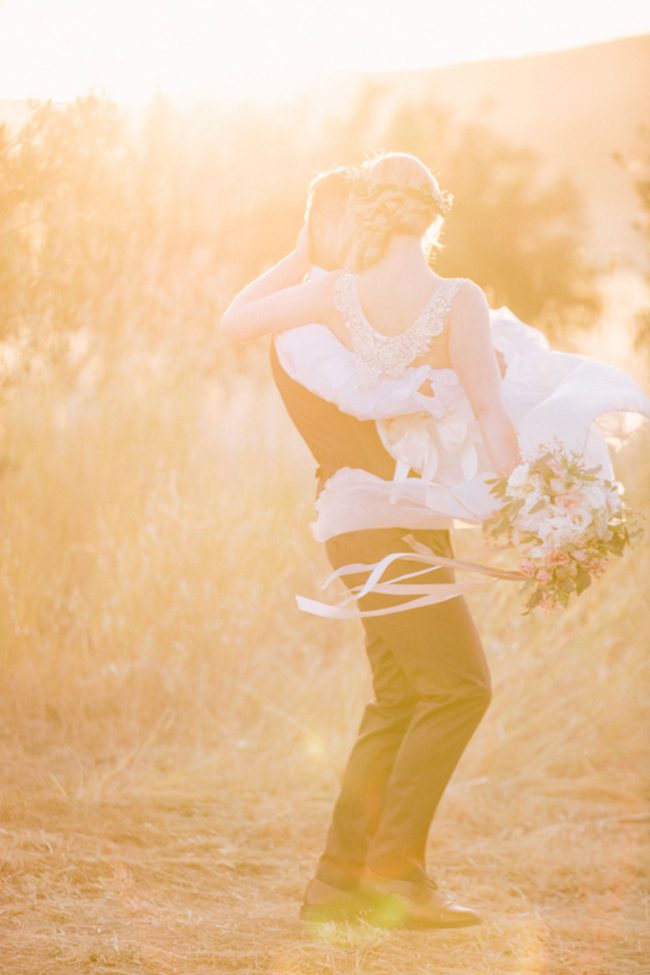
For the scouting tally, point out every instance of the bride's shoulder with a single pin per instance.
(464, 286)
(468, 294)
(469, 312)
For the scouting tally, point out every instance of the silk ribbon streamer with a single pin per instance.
(426, 594)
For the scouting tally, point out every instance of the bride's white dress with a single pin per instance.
(585, 403)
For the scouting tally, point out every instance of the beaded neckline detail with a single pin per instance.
(378, 355)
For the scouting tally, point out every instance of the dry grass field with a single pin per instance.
(173, 729)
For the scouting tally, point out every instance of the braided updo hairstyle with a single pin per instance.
(394, 193)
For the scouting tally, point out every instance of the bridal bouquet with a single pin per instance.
(564, 519)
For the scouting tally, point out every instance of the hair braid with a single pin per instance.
(394, 193)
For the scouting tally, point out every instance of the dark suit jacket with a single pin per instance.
(335, 438)
(338, 439)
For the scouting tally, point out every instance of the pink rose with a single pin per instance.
(567, 501)
(558, 557)
(597, 568)
(527, 567)
(543, 575)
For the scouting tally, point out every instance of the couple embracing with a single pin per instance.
(361, 270)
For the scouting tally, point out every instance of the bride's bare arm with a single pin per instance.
(298, 304)
(474, 359)
(278, 298)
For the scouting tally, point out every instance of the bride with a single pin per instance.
(395, 204)
(457, 392)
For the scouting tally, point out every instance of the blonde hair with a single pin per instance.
(394, 193)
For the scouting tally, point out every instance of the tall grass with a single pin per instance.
(173, 729)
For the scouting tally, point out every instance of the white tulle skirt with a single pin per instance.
(586, 404)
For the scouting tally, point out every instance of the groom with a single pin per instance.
(430, 676)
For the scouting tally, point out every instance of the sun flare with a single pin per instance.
(247, 49)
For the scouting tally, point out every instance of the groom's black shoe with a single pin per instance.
(325, 902)
(406, 903)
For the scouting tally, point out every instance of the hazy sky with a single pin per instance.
(61, 48)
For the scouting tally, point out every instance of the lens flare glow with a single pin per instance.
(248, 49)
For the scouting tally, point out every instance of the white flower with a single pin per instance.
(593, 496)
(579, 521)
(613, 499)
(560, 529)
(531, 499)
(539, 551)
(557, 485)
(531, 523)
(523, 518)
(518, 476)
(601, 523)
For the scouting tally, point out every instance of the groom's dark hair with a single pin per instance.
(331, 185)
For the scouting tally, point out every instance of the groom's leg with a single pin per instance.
(359, 803)
(384, 722)
(440, 652)
(432, 687)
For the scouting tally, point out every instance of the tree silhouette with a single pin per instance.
(523, 242)
(125, 223)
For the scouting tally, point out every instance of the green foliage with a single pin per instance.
(520, 239)
(583, 580)
(128, 222)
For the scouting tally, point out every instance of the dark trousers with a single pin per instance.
(431, 688)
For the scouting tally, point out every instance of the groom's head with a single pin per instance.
(326, 206)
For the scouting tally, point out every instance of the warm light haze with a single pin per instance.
(129, 49)
(174, 728)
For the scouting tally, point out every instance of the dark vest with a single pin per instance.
(335, 438)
